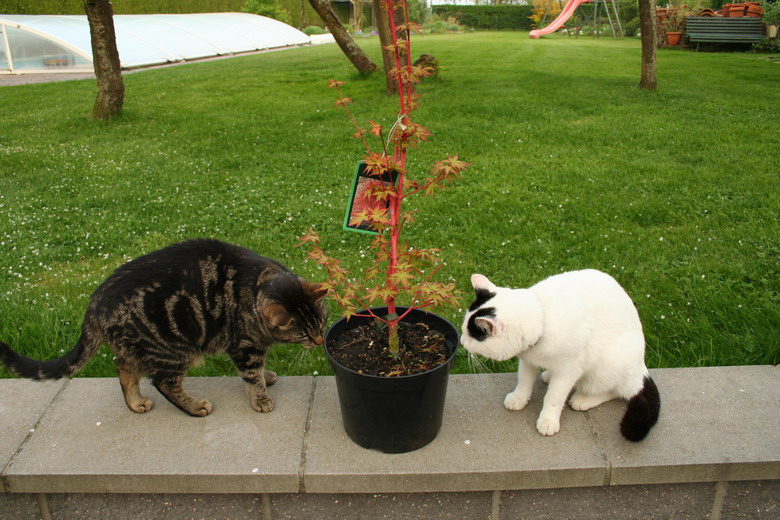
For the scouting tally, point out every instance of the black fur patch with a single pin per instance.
(475, 331)
(642, 412)
(483, 295)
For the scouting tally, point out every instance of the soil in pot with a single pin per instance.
(364, 349)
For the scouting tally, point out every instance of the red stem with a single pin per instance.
(358, 130)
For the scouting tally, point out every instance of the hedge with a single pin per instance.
(488, 17)
(155, 6)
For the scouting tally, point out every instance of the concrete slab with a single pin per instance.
(90, 442)
(19, 506)
(22, 403)
(716, 424)
(678, 502)
(481, 447)
(409, 506)
(155, 507)
(752, 500)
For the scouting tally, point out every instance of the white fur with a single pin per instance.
(580, 326)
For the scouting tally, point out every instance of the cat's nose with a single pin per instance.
(318, 340)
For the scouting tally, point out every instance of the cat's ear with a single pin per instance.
(277, 315)
(480, 281)
(317, 290)
(489, 325)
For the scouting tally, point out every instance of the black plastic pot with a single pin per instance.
(393, 414)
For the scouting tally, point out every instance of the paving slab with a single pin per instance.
(691, 501)
(716, 424)
(481, 446)
(22, 403)
(155, 507)
(91, 443)
(758, 500)
(19, 506)
(378, 506)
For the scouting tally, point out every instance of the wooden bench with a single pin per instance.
(709, 29)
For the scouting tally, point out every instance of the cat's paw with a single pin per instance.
(583, 402)
(263, 404)
(202, 408)
(548, 426)
(546, 376)
(515, 401)
(270, 377)
(141, 406)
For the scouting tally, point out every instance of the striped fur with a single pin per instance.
(164, 311)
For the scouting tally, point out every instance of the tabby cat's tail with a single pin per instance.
(642, 412)
(67, 365)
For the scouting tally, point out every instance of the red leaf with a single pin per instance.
(311, 237)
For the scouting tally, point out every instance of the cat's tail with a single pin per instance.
(642, 412)
(67, 365)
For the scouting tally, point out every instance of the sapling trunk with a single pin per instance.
(393, 343)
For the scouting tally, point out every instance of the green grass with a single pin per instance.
(674, 192)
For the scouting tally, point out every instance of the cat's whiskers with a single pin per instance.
(297, 360)
(477, 366)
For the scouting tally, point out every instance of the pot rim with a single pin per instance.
(446, 362)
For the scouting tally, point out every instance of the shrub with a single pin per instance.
(120, 6)
(550, 8)
(269, 8)
(772, 13)
(488, 17)
(767, 46)
(631, 28)
(313, 29)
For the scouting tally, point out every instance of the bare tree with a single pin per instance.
(647, 23)
(351, 50)
(105, 58)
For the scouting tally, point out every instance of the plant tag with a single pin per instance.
(359, 202)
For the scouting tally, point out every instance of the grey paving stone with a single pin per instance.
(678, 502)
(22, 402)
(422, 506)
(717, 423)
(752, 501)
(22, 506)
(155, 507)
(481, 446)
(91, 442)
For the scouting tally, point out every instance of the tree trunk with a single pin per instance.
(352, 51)
(105, 57)
(385, 39)
(647, 22)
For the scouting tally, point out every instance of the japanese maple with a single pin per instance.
(407, 272)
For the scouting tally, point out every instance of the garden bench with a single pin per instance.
(709, 29)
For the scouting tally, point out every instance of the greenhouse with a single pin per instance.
(51, 43)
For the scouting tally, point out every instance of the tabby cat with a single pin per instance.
(162, 312)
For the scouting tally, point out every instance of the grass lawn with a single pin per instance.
(673, 192)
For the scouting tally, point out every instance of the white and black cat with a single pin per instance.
(583, 329)
(164, 311)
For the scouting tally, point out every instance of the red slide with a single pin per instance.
(556, 24)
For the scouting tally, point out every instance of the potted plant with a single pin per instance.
(771, 18)
(674, 23)
(392, 396)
